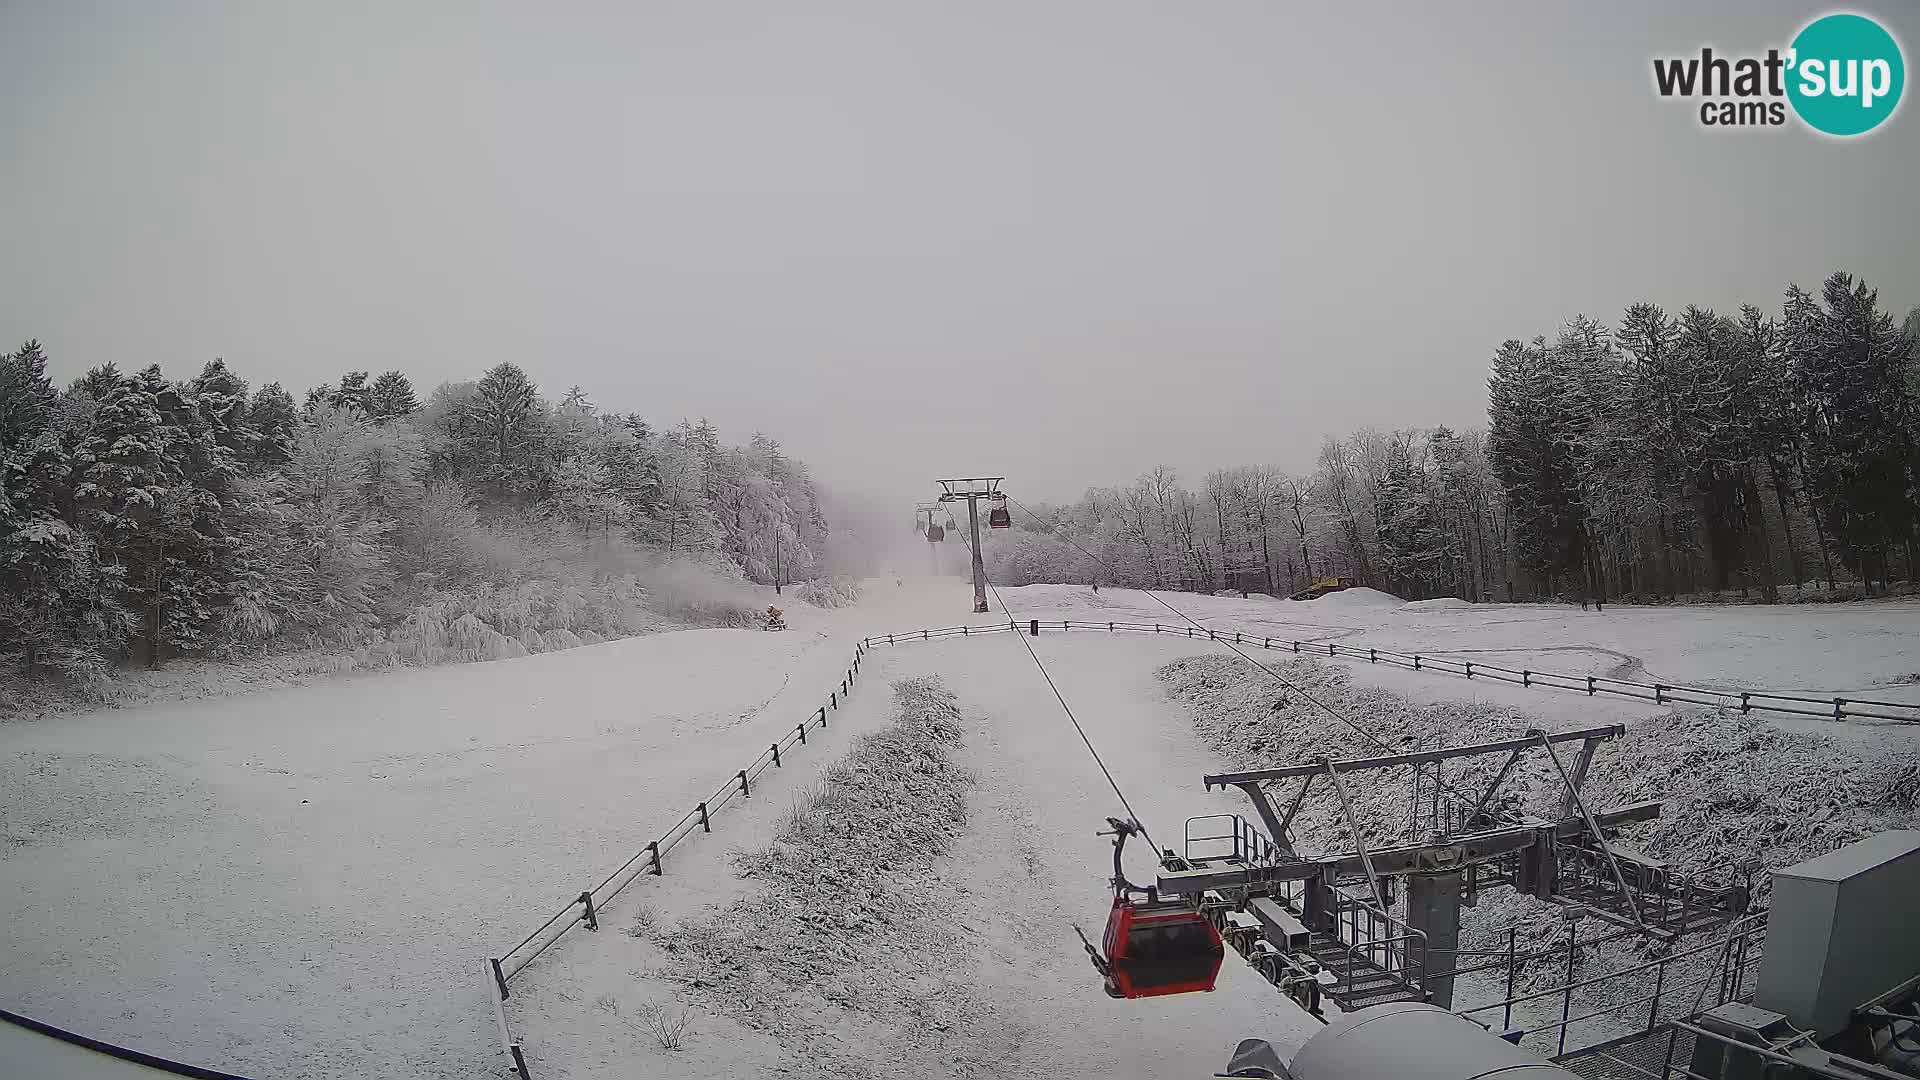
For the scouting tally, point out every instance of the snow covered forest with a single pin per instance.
(1667, 455)
(145, 517)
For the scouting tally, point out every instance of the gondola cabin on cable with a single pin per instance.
(997, 516)
(1154, 947)
(935, 534)
(1160, 948)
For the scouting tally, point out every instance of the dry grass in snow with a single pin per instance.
(848, 930)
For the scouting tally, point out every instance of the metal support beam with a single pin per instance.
(1573, 792)
(1278, 925)
(1499, 778)
(1359, 845)
(1580, 764)
(979, 567)
(1276, 827)
(1538, 874)
(1433, 908)
(1423, 757)
(1622, 921)
(1458, 851)
(1316, 902)
(1293, 808)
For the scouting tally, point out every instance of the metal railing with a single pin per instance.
(1745, 701)
(1636, 999)
(1373, 937)
(1244, 842)
(585, 909)
(1668, 1053)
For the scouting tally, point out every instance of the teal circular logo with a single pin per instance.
(1847, 74)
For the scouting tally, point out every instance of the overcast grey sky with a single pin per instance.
(1062, 241)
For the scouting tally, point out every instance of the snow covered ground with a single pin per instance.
(1821, 648)
(302, 882)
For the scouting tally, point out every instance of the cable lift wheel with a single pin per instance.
(1154, 947)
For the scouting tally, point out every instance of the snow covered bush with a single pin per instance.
(668, 1027)
(1738, 788)
(829, 592)
(493, 623)
(852, 908)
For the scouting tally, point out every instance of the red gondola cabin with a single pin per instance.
(997, 516)
(935, 534)
(1155, 948)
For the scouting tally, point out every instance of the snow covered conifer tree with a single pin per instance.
(220, 398)
(98, 382)
(274, 418)
(1411, 545)
(56, 609)
(633, 469)
(583, 486)
(680, 521)
(390, 397)
(1712, 433)
(508, 420)
(1856, 370)
(1529, 445)
(153, 521)
(353, 393)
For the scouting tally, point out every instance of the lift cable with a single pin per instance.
(1257, 665)
(1276, 676)
(1061, 698)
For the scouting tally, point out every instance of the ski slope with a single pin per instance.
(300, 883)
(1028, 869)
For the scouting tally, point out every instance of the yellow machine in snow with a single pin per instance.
(1323, 586)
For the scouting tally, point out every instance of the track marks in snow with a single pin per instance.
(1627, 666)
